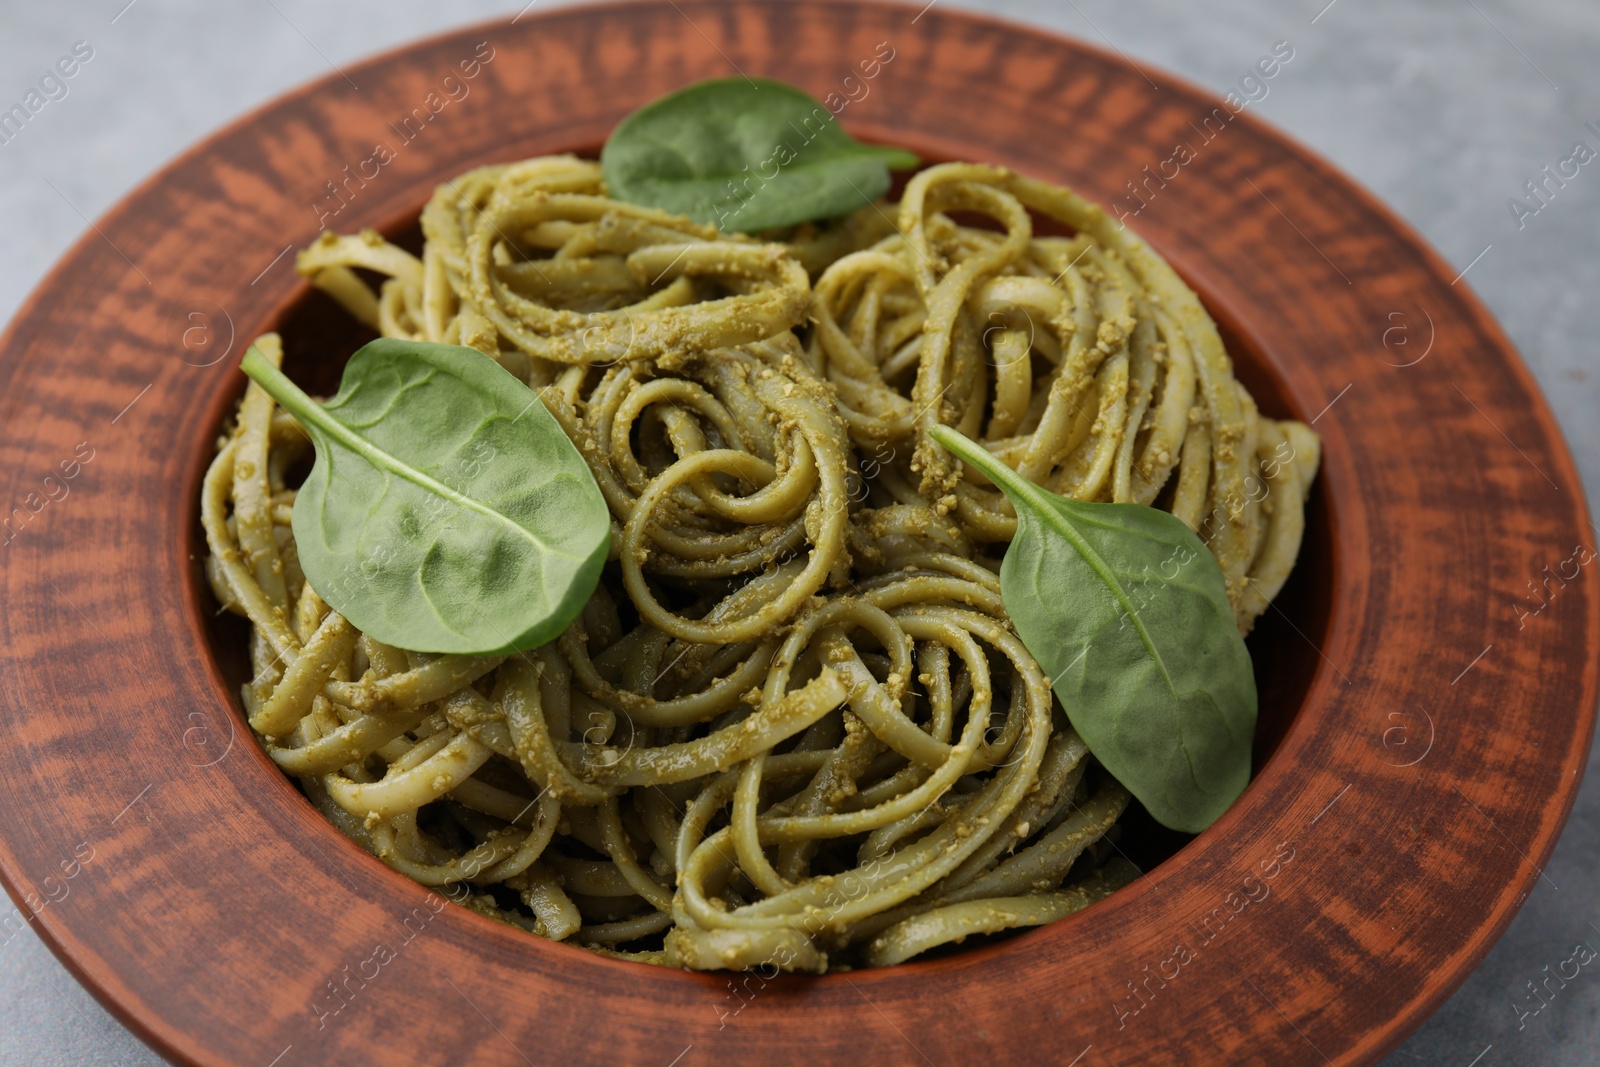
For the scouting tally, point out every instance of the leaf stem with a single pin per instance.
(285, 392)
(972, 452)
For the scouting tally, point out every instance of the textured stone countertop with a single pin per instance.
(1443, 108)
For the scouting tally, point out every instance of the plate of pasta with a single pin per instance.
(695, 560)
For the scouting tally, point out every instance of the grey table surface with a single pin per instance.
(1444, 108)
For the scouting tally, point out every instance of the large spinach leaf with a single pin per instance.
(744, 155)
(446, 511)
(1125, 608)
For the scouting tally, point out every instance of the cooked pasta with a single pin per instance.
(793, 727)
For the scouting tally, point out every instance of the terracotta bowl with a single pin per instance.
(1427, 711)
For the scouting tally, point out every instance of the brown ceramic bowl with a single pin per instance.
(1423, 731)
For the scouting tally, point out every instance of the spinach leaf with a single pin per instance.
(1125, 608)
(744, 156)
(446, 511)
